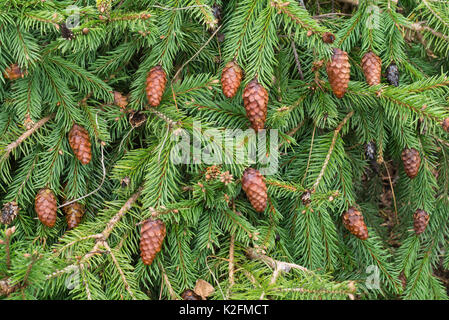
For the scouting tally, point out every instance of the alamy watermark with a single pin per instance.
(226, 146)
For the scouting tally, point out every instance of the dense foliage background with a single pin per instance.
(86, 62)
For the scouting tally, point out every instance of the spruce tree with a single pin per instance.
(95, 97)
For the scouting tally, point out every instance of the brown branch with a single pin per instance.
(331, 149)
(122, 274)
(272, 263)
(420, 27)
(167, 283)
(9, 148)
(298, 63)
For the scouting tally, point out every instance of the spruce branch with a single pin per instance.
(122, 274)
(9, 148)
(281, 266)
(331, 149)
(298, 64)
(167, 283)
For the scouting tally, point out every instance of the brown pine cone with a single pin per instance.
(420, 221)
(13, 72)
(254, 186)
(155, 85)
(255, 99)
(231, 78)
(80, 143)
(445, 124)
(372, 68)
(9, 212)
(338, 71)
(152, 235)
(45, 205)
(412, 161)
(73, 214)
(353, 221)
(190, 295)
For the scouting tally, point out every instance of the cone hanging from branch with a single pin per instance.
(412, 161)
(255, 99)
(231, 78)
(420, 221)
(45, 205)
(80, 143)
(253, 185)
(354, 222)
(73, 213)
(338, 71)
(155, 85)
(152, 235)
(372, 68)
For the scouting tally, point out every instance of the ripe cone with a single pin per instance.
(45, 205)
(254, 186)
(13, 72)
(152, 235)
(392, 74)
(353, 221)
(338, 71)
(155, 85)
(372, 68)
(230, 79)
(80, 143)
(73, 214)
(255, 99)
(9, 212)
(445, 124)
(420, 221)
(412, 161)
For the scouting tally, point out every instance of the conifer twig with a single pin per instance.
(9, 148)
(331, 149)
(167, 283)
(272, 263)
(122, 274)
(298, 64)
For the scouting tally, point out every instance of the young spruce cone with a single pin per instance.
(420, 221)
(45, 205)
(338, 71)
(353, 221)
(13, 72)
(255, 99)
(412, 161)
(230, 79)
(254, 186)
(9, 212)
(152, 235)
(80, 143)
(392, 74)
(190, 295)
(372, 68)
(73, 214)
(155, 85)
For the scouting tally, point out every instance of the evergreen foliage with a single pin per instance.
(298, 247)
